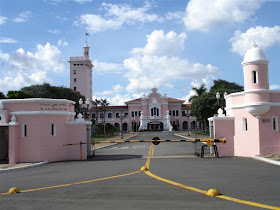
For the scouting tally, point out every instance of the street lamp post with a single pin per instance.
(188, 117)
(177, 122)
(133, 124)
(121, 118)
(87, 113)
(218, 97)
(81, 103)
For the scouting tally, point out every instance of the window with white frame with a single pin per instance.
(245, 124)
(53, 129)
(93, 115)
(24, 130)
(117, 115)
(109, 115)
(275, 123)
(101, 115)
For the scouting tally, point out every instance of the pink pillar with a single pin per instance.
(13, 144)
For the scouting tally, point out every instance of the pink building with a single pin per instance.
(151, 112)
(33, 130)
(81, 73)
(251, 121)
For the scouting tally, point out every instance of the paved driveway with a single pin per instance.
(112, 180)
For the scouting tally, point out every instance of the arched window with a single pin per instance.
(154, 111)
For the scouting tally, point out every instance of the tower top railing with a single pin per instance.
(77, 58)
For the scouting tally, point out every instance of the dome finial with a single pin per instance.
(254, 45)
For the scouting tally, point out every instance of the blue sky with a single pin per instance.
(136, 45)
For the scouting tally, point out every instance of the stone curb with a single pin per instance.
(23, 167)
(274, 162)
(114, 143)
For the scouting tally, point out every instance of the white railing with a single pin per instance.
(76, 58)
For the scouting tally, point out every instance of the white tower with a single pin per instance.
(81, 73)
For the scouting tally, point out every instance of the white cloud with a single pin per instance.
(147, 71)
(274, 87)
(118, 88)
(264, 37)
(157, 64)
(116, 16)
(7, 40)
(54, 31)
(117, 99)
(21, 79)
(4, 56)
(175, 15)
(105, 93)
(46, 58)
(3, 19)
(22, 17)
(107, 67)
(160, 44)
(202, 15)
(62, 43)
(82, 1)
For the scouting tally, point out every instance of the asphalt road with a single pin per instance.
(243, 178)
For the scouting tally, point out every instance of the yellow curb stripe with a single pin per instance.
(176, 183)
(250, 203)
(149, 157)
(75, 183)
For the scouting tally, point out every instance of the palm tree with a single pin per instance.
(104, 103)
(199, 91)
(96, 103)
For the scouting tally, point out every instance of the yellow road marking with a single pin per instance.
(250, 203)
(75, 183)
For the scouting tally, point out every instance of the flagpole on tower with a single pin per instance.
(86, 36)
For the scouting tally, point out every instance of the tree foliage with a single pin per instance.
(14, 94)
(199, 91)
(206, 105)
(48, 91)
(2, 96)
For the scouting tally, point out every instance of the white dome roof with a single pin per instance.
(254, 56)
(86, 45)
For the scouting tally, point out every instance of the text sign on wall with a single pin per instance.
(53, 107)
(265, 120)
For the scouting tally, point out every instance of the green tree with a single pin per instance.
(2, 96)
(47, 91)
(223, 85)
(199, 91)
(104, 103)
(205, 104)
(96, 103)
(14, 94)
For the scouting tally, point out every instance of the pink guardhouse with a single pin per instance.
(251, 122)
(34, 130)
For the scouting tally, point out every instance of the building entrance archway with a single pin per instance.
(155, 126)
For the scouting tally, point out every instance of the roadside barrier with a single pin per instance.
(207, 143)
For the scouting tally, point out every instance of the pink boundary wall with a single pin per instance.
(40, 145)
